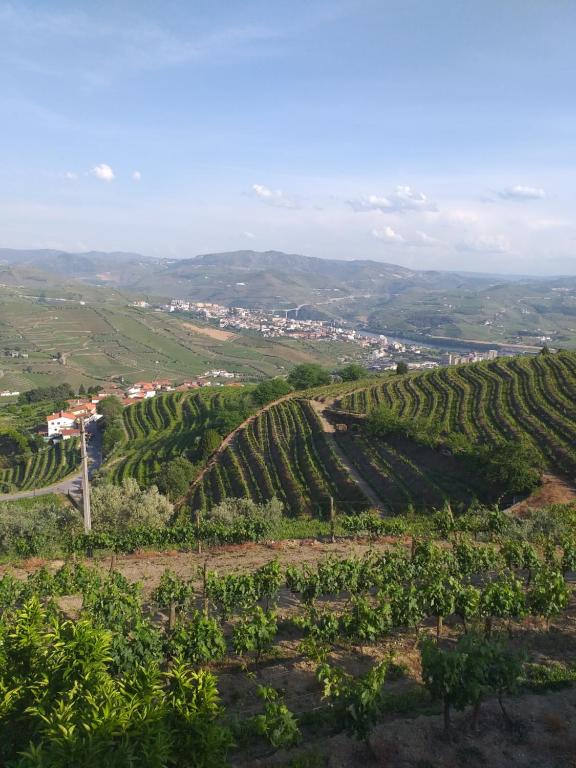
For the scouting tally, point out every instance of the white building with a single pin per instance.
(58, 421)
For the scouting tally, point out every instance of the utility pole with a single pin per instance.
(332, 516)
(85, 483)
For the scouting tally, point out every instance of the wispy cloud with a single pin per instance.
(275, 197)
(521, 192)
(402, 199)
(136, 176)
(392, 237)
(103, 172)
(136, 44)
(485, 244)
(388, 235)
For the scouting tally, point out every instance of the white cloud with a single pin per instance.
(273, 196)
(249, 235)
(485, 244)
(402, 199)
(103, 172)
(71, 176)
(388, 235)
(423, 239)
(136, 175)
(521, 192)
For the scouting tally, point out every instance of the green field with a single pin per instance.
(101, 340)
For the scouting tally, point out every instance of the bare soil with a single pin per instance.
(554, 490)
(212, 333)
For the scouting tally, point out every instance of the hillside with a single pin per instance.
(380, 296)
(88, 340)
(293, 451)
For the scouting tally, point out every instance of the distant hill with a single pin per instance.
(118, 268)
(380, 296)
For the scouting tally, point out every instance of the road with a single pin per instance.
(73, 483)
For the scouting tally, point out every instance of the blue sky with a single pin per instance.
(432, 134)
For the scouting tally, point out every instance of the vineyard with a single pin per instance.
(226, 664)
(286, 451)
(165, 426)
(46, 467)
(282, 452)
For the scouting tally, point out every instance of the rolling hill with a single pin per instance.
(383, 297)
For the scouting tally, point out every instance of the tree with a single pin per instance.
(513, 466)
(353, 372)
(81, 390)
(175, 477)
(13, 446)
(308, 375)
(401, 367)
(270, 390)
(209, 443)
(118, 508)
(110, 408)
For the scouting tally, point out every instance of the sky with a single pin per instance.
(436, 135)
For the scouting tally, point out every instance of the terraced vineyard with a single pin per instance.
(285, 451)
(166, 426)
(46, 467)
(282, 452)
(531, 397)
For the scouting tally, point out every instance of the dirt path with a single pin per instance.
(329, 431)
(554, 490)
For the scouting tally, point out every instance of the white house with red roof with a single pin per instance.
(58, 421)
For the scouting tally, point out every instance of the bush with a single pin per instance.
(270, 390)
(175, 477)
(121, 507)
(31, 531)
(308, 375)
(353, 372)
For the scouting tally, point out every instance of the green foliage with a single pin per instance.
(209, 443)
(269, 390)
(465, 674)
(353, 372)
(511, 466)
(175, 477)
(277, 723)
(58, 392)
(110, 408)
(38, 529)
(255, 633)
(14, 445)
(172, 589)
(119, 508)
(63, 704)
(549, 594)
(308, 375)
(197, 639)
(357, 702)
(401, 367)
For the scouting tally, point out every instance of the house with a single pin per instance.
(58, 421)
(66, 434)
